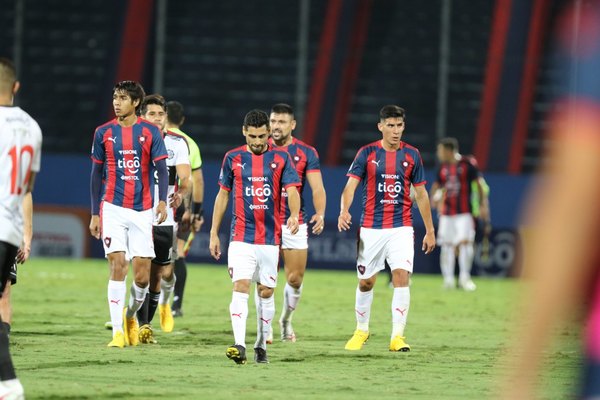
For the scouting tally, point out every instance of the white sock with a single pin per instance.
(447, 263)
(166, 290)
(465, 260)
(362, 308)
(258, 305)
(116, 302)
(238, 310)
(137, 295)
(400, 305)
(291, 297)
(264, 318)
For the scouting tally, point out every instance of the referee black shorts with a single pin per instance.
(163, 244)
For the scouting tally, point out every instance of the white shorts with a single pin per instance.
(124, 229)
(299, 241)
(375, 246)
(257, 262)
(454, 229)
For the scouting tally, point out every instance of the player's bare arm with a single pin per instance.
(315, 180)
(294, 203)
(484, 207)
(345, 219)
(25, 249)
(184, 174)
(219, 209)
(198, 198)
(425, 209)
(436, 195)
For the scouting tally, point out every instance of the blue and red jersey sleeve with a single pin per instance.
(418, 175)
(226, 174)
(158, 151)
(312, 160)
(289, 176)
(98, 152)
(358, 168)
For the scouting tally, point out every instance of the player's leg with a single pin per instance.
(466, 250)
(146, 313)
(369, 262)
(180, 272)
(266, 277)
(400, 256)
(10, 385)
(241, 267)
(447, 251)
(168, 279)
(5, 304)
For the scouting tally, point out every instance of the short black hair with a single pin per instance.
(133, 89)
(391, 111)
(8, 75)
(153, 99)
(175, 113)
(282, 108)
(256, 118)
(449, 143)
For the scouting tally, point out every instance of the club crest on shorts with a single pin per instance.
(361, 269)
(107, 241)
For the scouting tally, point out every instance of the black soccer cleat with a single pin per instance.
(237, 353)
(176, 312)
(260, 355)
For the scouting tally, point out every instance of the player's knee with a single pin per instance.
(242, 286)
(366, 285)
(400, 278)
(295, 279)
(265, 292)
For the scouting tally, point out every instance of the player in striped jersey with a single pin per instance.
(294, 248)
(127, 152)
(256, 173)
(20, 156)
(452, 195)
(386, 168)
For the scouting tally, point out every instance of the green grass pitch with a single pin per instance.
(58, 342)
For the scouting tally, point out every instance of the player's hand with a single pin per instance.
(175, 200)
(318, 224)
(344, 221)
(293, 225)
(197, 222)
(186, 219)
(428, 242)
(215, 246)
(95, 226)
(23, 253)
(161, 212)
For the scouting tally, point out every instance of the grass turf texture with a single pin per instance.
(58, 342)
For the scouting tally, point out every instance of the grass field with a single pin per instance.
(59, 348)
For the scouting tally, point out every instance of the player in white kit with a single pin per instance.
(20, 155)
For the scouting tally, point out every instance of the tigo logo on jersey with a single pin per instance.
(262, 193)
(132, 166)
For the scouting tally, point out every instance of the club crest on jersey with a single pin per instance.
(142, 139)
(171, 153)
(107, 241)
(361, 269)
(296, 158)
(273, 165)
(405, 164)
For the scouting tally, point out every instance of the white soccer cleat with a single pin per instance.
(11, 390)
(270, 336)
(287, 332)
(468, 285)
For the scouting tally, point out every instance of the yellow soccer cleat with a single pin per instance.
(131, 329)
(357, 340)
(146, 335)
(167, 323)
(398, 344)
(118, 340)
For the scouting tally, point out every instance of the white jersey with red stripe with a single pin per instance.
(20, 154)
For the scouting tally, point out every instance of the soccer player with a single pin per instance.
(452, 193)
(20, 155)
(127, 151)
(192, 220)
(256, 173)
(154, 109)
(387, 168)
(22, 256)
(294, 248)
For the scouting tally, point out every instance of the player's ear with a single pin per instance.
(243, 130)
(293, 124)
(16, 87)
(380, 126)
(136, 103)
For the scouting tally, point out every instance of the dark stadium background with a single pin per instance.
(480, 71)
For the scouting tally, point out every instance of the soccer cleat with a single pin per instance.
(237, 353)
(357, 340)
(270, 335)
(449, 285)
(398, 344)
(287, 332)
(166, 318)
(118, 340)
(177, 312)
(11, 390)
(260, 355)
(131, 329)
(108, 325)
(467, 285)
(146, 334)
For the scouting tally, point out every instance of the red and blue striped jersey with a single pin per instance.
(256, 182)
(456, 180)
(306, 160)
(128, 154)
(386, 177)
